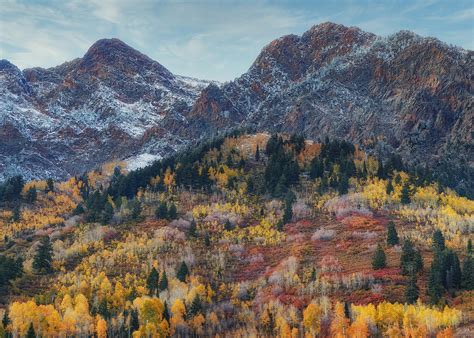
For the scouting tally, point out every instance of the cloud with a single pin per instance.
(208, 39)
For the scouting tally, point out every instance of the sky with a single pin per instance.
(214, 40)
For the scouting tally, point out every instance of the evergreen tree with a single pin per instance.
(193, 228)
(410, 259)
(392, 235)
(452, 271)
(257, 154)
(279, 225)
(183, 272)
(103, 309)
(343, 186)
(418, 261)
(136, 209)
(5, 319)
(347, 310)
(313, 275)
(469, 247)
(166, 312)
(207, 240)
(31, 194)
(43, 259)
(316, 168)
(364, 170)
(380, 170)
(412, 292)
(229, 161)
(172, 212)
(134, 322)
(435, 280)
(398, 179)
(152, 281)
(196, 307)
(379, 260)
(438, 241)
(163, 281)
(107, 213)
(79, 210)
(468, 273)
(16, 214)
(49, 184)
(162, 211)
(241, 163)
(31, 332)
(405, 199)
(389, 188)
(250, 186)
(288, 213)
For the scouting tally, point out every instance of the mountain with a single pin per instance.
(403, 93)
(112, 103)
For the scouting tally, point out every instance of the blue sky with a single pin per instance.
(215, 40)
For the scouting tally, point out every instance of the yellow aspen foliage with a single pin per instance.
(65, 303)
(312, 319)
(21, 315)
(178, 311)
(340, 323)
(209, 294)
(394, 331)
(168, 179)
(212, 319)
(101, 327)
(164, 328)
(446, 333)
(359, 328)
(83, 317)
(197, 323)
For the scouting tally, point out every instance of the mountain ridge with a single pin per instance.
(402, 93)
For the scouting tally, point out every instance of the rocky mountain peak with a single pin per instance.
(404, 93)
(108, 55)
(12, 79)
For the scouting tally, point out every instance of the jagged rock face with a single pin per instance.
(110, 104)
(403, 93)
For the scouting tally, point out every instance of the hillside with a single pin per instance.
(404, 94)
(242, 235)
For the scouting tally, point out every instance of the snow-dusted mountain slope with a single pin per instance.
(402, 93)
(112, 103)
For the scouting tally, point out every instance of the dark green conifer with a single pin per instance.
(162, 211)
(163, 281)
(182, 272)
(405, 199)
(196, 307)
(392, 235)
(468, 273)
(43, 260)
(31, 332)
(172, 212)
(435, 280)
(31, 194)
(389, 188)
(438, 241)
(379, 260)
(412, 292)
(152, 281)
